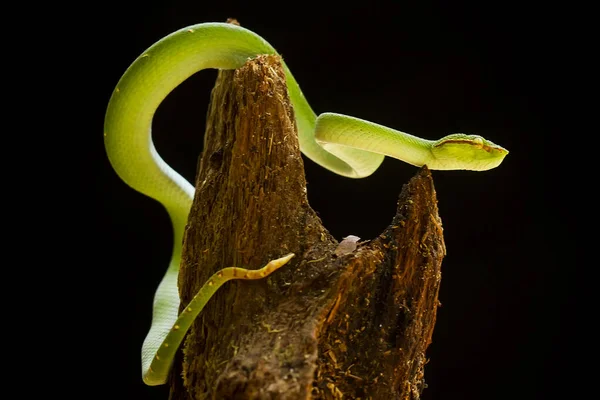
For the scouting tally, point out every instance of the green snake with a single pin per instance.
(345, 145)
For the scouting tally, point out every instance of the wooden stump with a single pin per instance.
(355, 324)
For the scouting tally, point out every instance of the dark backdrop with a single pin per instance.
(429, 70)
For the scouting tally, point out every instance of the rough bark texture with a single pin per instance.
(324, 326)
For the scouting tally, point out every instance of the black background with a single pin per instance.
(430, 70)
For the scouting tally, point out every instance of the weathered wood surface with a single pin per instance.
(324, 326)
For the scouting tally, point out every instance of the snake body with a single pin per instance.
(345, 145)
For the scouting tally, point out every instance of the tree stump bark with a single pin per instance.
(351, 323)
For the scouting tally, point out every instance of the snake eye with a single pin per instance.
(478, 141)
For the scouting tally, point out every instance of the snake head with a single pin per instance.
(469, 152)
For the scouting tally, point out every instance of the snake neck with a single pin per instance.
(349, 138)
(410, 149)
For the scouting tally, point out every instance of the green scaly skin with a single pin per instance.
(345, 145)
